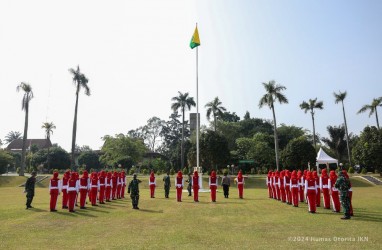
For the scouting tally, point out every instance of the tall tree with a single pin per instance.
(216, 109)
(152, 132)
(273, 94)
(340, 97)
(373, 108)
(28, 95)
(80, 81)
(311, 105)
(48, 126)
(13, 135)
(182, 102)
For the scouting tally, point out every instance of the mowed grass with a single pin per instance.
(255, 222)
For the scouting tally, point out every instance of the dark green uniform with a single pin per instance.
(167, 185)
(133, 190)
(29, 190)
(343, 185)
(189, 186)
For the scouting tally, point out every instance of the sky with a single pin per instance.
(136, 56)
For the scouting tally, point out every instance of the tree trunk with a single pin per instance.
(347, 134)
(72, 160)
(22, 167)
(314, 131)
(182, 144)
(276, 138)
(215, 121)
(376, 116)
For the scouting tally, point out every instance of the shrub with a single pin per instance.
(172, 171)
(351, 170)
(185, 170)
(364, 171)
(144, 171)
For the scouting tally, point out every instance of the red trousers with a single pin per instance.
(301, 192)
(108, 193)
(288, 195)
(196, 194)
(113, 192)
(119, 191)
(90, 195)
(152, 191)
(240, 187)
(318, 198)
(72, 199)
(326, 198)
(123, 191)
(270, 193)
(179, 194)
(213, 193)
(93, 192)
(53, 199)
(274, 193)
(64, 198)
(278, 193)
(283, 195)
(335, 201)
(83, 194)
(312, 201)
(295, 196)
(101, 194)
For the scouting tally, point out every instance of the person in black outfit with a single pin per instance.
(29, 189)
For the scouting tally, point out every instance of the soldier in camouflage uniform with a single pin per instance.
(343, 185)
(167, 184)
(133, 190)
(29, 189)
(189, 186)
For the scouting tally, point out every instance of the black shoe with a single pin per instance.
(82, 207)
(136, 207)
(29, 207)
(72, 211)
(345, 218)
(53, 210)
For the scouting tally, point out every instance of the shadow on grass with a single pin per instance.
(97, 210)
(76, 213)
(368, 217)
(151, 211)
(37, 210)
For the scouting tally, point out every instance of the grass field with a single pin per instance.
(256, 222)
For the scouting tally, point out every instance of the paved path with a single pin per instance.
(372, 179)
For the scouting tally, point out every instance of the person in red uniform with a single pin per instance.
(109, 185)
(282, 186)
(305, 176)
(324, 179)
(94, 187)
(54, 190)
(114, 179)
(152, 184)
(318, 193)
(213, 183)
(336, 205)
(179, 183)
(119, 186)
(73, 189)
(350, 191)
(273, 185)
(84, 188)
(301, 183)
(310, 192)
(277, 185)
(65, 196)
(268, 183)
(294, 186)
(123, 190)
(102, 183)
(195, 186)
(240, 184)
(287, 187)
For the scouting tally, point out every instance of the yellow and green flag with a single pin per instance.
(195, 42)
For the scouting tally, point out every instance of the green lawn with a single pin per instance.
(254, 222)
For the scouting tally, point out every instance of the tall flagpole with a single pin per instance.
(197, 111)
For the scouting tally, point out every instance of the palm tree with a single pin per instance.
(80, 81)
(312, 105)
(340, 97)
(273, 94)
(13, 135)
(48, 126)
(28, 95)
(182, 102)
(216, 109)
(373, 108)
(336, 142)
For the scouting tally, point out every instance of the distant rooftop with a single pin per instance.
(17, 145)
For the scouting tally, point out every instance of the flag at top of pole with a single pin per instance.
(195, 41)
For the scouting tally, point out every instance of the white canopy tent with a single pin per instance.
(323, 158)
